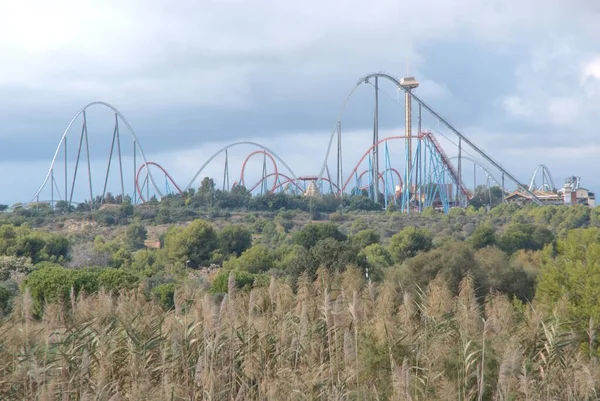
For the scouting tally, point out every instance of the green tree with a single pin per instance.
(273, 235)
(364, 238)
(126, 209)
(36, 245)
(164, 294)
(452, 261)
(334, 255)
(524, 236)
(573, 276)
(254, 260)
(501, 274)
(4, 300)
(485, 196)
(53, 285)
(206, 192)
(314, 232)
(220, 283)
(63, 207)
(116, 279)
(376, 255)
(377, 258)
(408, 242)
(234, 239)
(361, 202)
(196, 242)
(145, 262)
(163, 216)
(135, 235)
(237, 198)
(482, 236)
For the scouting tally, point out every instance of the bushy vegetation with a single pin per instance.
(223, 295)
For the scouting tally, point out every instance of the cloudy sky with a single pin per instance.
(519, 78)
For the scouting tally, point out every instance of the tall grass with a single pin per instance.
(337, 338)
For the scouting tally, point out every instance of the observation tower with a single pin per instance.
(408, 83)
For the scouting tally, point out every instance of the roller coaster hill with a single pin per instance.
(429, 163)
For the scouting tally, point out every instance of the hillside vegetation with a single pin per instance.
(211, 296)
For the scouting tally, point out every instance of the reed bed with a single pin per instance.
(334, 338)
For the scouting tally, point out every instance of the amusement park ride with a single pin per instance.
(412, 170)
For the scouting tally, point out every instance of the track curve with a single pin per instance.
(257, 152)
(545, 172)
(66, 131)
(145, 165)
(231, 145)
(395, 81)
(381, 176)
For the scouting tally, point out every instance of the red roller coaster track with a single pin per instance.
(267, 154)
(381, 176)
(146, 165)
(276, 174)
(447, 162)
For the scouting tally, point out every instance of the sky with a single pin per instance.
(519, 79)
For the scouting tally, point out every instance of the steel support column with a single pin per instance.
(375, 171)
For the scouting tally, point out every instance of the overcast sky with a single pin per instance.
(519, 78)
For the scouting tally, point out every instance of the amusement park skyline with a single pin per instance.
(190, 78)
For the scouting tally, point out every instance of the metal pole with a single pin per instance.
(340, 177)
(408, 141)
(226, 172)
(503, 187)
(458, 184)
(264, 187)
(66, 184)
(120, 161)
(375, 180)
(52, 188)
(134, 172)
(76, 164)
(419, 178)
(87, 150)
(474, 178)
(112, 147)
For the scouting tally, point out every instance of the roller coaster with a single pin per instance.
(412, 171)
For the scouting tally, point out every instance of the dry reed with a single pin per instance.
(337, 338)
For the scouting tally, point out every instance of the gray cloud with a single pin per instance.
(196, 72)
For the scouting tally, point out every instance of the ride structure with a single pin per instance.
(442, 173)
(421, 167)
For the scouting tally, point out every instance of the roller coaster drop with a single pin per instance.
(426, 177)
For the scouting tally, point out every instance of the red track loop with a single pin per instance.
(146, 165)
(422, 135)
(287, 180)
(390, 138)
(267, 154)
(381, 176)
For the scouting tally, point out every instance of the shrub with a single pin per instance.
(4, 300)
(313, 233)
(408, 242)
(53, 284)
(220, 283)
(233, 240)
(164, 294)
(115, 279)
